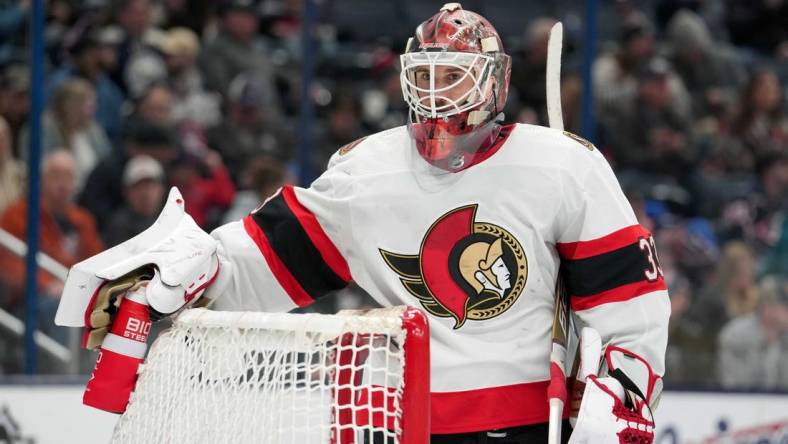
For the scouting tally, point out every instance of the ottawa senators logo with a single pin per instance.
(465, 269)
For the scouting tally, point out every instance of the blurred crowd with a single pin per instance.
(689, 100)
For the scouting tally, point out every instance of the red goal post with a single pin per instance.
(284, 378)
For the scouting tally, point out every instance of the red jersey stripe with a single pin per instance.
(289, 283)
(594, 247)
(618, 294)
(328, 251)
(490, 408)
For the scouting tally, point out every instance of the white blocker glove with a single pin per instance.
(616, 409)
(174, 258)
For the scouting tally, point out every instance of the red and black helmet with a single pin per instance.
(455, 79)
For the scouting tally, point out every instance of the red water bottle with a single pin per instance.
(120, 355)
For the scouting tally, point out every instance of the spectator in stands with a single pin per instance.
(690, 352)
(205, 184)
(60, 20)
(529, 79)
(15, 99)
(615, 72)
(191, 102)
(709, 69)
(753, 348)
(67, 233)
(155, 104)
(384, 108)
(237, 48)
(138, 61)
(260, 179)
(12, 172)
(733, 291)
(646, 133)
(249, 128)
(87, 62)
(13, 16)
(343, 125)
(760, 125)
(103, 191)
(143, 192)
(69, 123)
(757, 215)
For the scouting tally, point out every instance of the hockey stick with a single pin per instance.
(556, 391)
(553, 77)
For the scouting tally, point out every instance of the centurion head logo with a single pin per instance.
(464, 269)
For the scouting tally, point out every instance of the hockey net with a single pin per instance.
(224, 377)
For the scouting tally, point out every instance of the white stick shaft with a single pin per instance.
(553, 77)
(554, 431)
(556, 120)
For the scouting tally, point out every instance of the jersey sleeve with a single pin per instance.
(286, 253)
(609, 262)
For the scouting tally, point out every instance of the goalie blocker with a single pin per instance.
(163, 269)
(182, 255)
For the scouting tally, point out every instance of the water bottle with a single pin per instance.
(121, 353)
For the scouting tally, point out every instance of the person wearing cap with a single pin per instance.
(647, 133)
(710, 69)
(103, 191)
(615, 72)
(192, 103)
(143, 193)
(137, 45)
(237, 48)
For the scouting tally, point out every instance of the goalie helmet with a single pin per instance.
(455, 79)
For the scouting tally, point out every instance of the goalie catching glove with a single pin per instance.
(174, 258)
(617, 408)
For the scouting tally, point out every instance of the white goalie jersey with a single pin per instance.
(478, 250)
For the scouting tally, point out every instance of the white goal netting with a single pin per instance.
(222, 377)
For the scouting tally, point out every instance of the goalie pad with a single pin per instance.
(183, 255)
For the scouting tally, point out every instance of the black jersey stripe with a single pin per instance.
(598, 274)
(295, 249)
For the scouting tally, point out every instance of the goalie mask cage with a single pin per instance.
(250, 377)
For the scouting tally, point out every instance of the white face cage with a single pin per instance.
(437, 101)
